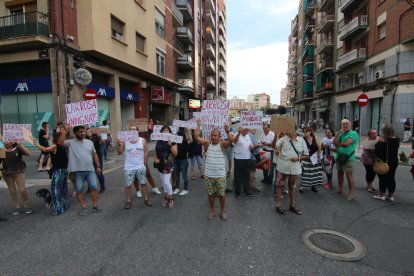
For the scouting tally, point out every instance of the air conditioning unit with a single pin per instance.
(379, 74)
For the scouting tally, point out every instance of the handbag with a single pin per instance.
(381, 167)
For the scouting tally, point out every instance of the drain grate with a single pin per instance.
(333, 244)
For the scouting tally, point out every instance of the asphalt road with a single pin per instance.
(181, 241)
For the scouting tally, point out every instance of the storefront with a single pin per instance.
(27, 101)
(128, 100)
(160, 107)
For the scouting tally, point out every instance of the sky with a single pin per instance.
(257, 46)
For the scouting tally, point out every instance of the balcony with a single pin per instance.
(178, 47)
(354, 56)
(178, 18)
(222, 41)
(24, 30)
(308, 71)
(211, 82)
(184, 35)
(346, 5)
(307, 89)
(185, 8)
(352, 28)
(211, 51)
(210, 4)
(185, 62)
(325, 66)
(222, 17)
(308, 52)
(187, 85)
(294, 26)
(326, 24)
(222, 28)
(325, 5)
(210, 19)
(211, 67)
(309, 6)
(222, 53)
(324, 84)
(325, 46)
(222, 76)
(222, 65)
(310, 25)
(210, 35)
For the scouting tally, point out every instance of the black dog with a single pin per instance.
(47, 197)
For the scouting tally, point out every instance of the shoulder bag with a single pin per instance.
(293, 146)
(381, 167)
(343, 158)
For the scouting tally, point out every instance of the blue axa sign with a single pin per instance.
(26, 86)
(102, 91)
(129, 95)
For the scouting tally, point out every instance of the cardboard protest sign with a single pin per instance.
(185, 124)
(127, 135)
(14, 132)
(27, 135)
(140, 123)
(214, 114)
(251, 119)
(82, 113)
(166, 137)
(283, 124)
(157, 129)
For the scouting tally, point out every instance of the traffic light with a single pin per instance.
(79, 61)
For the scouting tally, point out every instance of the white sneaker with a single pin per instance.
(379, 197)
(176, 191)
(286, 192)
(391, 198)
(139, 194)
(183, 193)
(156, 191)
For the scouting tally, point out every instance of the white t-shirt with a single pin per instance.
(268, 139)
(242, 147)
(134, 155)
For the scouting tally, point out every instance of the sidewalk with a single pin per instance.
(35, 178)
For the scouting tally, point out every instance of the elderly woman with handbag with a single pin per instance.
(386, 162)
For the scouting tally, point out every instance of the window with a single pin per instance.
(117, 28)
(159, 23)
(17, 15)
(382, 31)
(160, 63)
(140, 42)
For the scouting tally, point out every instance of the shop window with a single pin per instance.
(160, 63)
(140, 42)
(117, 28)
(382, 31)
(159, 23)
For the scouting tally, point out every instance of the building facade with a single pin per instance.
(147, 58)
(259, 101)
(354, 47)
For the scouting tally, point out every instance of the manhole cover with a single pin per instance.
(333, 244)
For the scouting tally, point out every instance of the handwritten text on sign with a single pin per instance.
(283, 124)
(252, 119)
(214, 114)
(167, 137)
(185, 124)
(82, 113)
(14, 132)
(127, 136)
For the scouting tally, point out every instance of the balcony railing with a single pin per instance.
(310, 23)
(185, 59)
(356, 24)
(324, 5)
(210, 34)
(355, 55)
(178, 14)
(211, 50)
(25, 24)
(185, 8)
(211, 67)
(184, 34)
(323, 45)
(346, 4)
(309, 6)
(211, 82)
(210, 19)
(325, 65)
(222, 76)
(323, 22)
(307, 89)
(186, 83)
(178, 45)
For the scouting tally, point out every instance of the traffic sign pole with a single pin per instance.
(362, 101)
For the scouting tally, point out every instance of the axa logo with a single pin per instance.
(130, 97)
(22, 87)
(101, 92)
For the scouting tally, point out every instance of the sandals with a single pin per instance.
(280, 210)
(301, 190)
(210, 216)
(127, 205)
(294, 210)
(193, 177)
(224, 216)
(371, 190)
(147, 202)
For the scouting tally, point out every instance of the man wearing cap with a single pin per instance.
(345, 141)
(242, 146)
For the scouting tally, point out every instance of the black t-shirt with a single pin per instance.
(182, 151)
(60, 158)
(42, 141)
(407, 126)
(96, 144)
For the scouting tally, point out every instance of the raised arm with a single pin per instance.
(236, 138)
(197, 137)
(50, 149)
(230, 136)
(23, 149)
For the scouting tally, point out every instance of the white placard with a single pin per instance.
(157, 129)
(185, 124)
(127, 135)
(167, 137)
(251, 119)
(314, 158)
(82, 113)
(14, 132)
(214, 114)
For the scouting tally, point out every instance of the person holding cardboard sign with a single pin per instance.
(292, 150)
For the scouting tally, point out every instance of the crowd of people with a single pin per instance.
(283, 157)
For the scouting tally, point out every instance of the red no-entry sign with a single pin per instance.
(89, 94)
(362, 100)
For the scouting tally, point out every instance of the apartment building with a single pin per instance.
(375, 56)
(259, 101)
(147, 58)
(284, 93)
(356, 47)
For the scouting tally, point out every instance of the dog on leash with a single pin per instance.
(47, 197)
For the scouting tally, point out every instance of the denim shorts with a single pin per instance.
(130, 175)
(88, 176)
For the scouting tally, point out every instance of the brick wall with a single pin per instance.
(69, 19)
